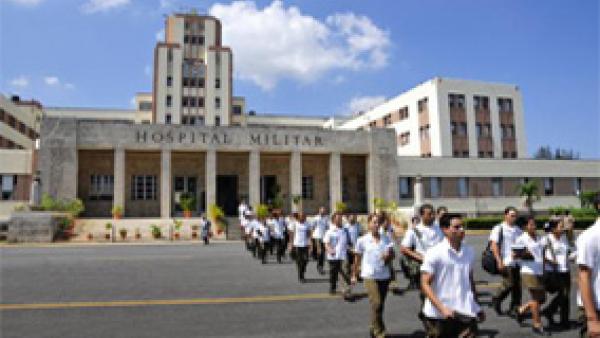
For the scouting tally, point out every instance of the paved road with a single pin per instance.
(192, 291)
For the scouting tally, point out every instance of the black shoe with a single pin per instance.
(539, 331)
(497, 306)
(519, 316)
(549, 318)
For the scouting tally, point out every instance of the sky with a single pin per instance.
(323, 58)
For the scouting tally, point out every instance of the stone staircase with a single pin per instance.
(233, 228)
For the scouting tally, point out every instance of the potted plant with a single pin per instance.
(262, 211)
(217, 217)
(187, 202)
(194, 231)
(340, 207)
(177, 224)
(108, 226)
(276, 203)
(90, 236)
(138, 233)
(123, 233)
(156, 231)
(296, 200)
(117, 211)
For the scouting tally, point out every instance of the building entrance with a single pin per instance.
(268, 188)
(227, 194)
(184, 186)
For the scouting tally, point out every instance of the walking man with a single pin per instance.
(503, 237)
(320, 225)
(337, 240)
(300, 234)
(451, 308)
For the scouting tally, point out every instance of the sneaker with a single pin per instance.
(519, 316)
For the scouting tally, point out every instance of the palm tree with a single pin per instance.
(530, 191)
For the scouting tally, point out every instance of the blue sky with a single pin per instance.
(331, 57)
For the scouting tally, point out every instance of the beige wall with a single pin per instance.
(316, 166)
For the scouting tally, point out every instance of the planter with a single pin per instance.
(117, 216)
(123, 234)
(187, 213)
(194, 235)
(90, 236)
(219, 231)
(138, 236)
(176, 235)
(107, 236)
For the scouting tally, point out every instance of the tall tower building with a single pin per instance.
(192, 73)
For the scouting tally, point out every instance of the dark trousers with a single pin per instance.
(279, 245)
(263, 247)
(205, 239)
(335, 267)
(511, 283)
(377, 291)
(319, 253)
(561, 299)
(440, 328)
(301, 260)
(347, 266)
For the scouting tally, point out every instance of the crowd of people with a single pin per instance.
(435, 259)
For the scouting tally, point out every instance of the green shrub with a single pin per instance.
(262, 211)
(340, 207)
(156, 231)
(187, 202)
(75, 207)
(576, 212)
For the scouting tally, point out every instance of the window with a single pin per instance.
(496, 186)
(8, 186)
(201, 102)
(548, 186)
(143, 187)
(168, 119)
(387, 120)
(403, 113)
(200, 121)
(483, 129)
(307, 187)
(217, 121)
(101, 187)
(237, 110)
(465, 154)
(186, 39)
(481, 102)
(169, 55)
(463, 187)
(145, 105)
(169, 81)
(434, 186)
(424, 132)
(169, 101)
(201, 40)
(185, 101)
(217, 83)
(404, 187)
(217, 102)
(345, 188)
(456, 100)
(505, 105)
(422, 105)
(508, 131)
(577, 186)
(2, 114)
(404, 138)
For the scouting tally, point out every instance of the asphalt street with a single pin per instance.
(191, 290)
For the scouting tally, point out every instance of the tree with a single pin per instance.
(530, 192)
(546, 153)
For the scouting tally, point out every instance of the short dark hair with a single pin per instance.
(597, 202)
(509, 209)
(553, 223)
(424, 207)
(441, 208)
(447, 219)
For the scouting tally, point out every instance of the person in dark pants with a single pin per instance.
(300, 233)
(502, 237)
(204, 229)
(320, 226)
(557, 254)
(373, 252)
(337, 240)
(275, 223)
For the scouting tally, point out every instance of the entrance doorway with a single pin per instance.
(268, 188)
(227, 194)
(182, 186)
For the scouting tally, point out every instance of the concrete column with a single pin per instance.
(165, 183)
(373, 185)
(418, 194)
(119, 183)
(254, 178)
(296, 179)
(335, 180)
(211, 178)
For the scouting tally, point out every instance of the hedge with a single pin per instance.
(490, 222)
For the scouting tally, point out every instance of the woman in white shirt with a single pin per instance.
(528, 249)
(373, 252)
(557, 254)
(301, 244)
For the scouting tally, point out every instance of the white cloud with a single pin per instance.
(20, 82)
(69, 86)
(51, 81)
(28, 3)
(364, 103)
(277, 42)
(94, 6)
(160, 35)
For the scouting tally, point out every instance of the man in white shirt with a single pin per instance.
(320, 225)
(503, 237)
(451, 308)
(419, 239)
(337, 241)
(354, 230)
(242, 208)
(588, 260)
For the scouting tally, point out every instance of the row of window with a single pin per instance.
(8, 184)
(424, 132)
(480, 102)
(463, 189)
(194, 25)
(17, 125)
(191, 101)
(194, 39)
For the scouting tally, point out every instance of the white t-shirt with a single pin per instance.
(588, 254)
(261, 231)
(430, 236)
(320, 225)
(535, 247)
(276, 227)
(561, 250)
(450, 283)
(242, 210)
(354, 231)
(252, 226)
(372, 265)
(301, 231)
(509, 237)
(338, 238)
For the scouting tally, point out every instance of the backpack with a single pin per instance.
(488, 260)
